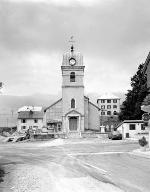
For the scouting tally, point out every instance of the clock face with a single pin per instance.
(72, 61)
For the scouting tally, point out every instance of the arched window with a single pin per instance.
(72, 77)
(72, 103)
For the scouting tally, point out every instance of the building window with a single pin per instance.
(102, 106)
(72, 77)
(114, 100)
(72, 103)
(132, 126)
(108, 112)
(115, 112)
(109, 101)
(103, 101)
(114, 106)
(108, 106)
(142, 127)
(145, 124)
(23, 121)
(23, 127)
(35, 120)
(59, 127)
(102, 113)
(35, 127)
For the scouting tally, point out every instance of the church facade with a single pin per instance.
(73, 114)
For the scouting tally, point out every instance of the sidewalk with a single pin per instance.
(140, 153)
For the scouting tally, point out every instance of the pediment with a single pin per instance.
(73, 112)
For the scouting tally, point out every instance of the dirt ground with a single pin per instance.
(53, 178)
(71, 166)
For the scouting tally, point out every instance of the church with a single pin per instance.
(73, 114)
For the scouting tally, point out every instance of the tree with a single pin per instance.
(131, 107)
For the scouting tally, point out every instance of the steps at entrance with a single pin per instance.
(74, 135)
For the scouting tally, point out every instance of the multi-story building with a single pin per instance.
(110, 107)
(30, 118)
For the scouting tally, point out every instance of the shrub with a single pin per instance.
(142, 141)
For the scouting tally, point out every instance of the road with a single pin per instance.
(83, 165)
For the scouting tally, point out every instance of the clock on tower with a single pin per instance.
(72, 61)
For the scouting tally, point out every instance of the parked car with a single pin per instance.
(9, 139)
(115, 135)
(17, 139)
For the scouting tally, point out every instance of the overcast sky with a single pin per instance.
(112, 35)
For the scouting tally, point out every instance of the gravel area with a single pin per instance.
(53, 178)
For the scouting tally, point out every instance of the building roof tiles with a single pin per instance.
(30, 115)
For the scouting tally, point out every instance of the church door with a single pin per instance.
(73, 123)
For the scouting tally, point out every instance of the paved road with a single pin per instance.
(75, 166)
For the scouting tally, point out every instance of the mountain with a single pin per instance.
(9, 103)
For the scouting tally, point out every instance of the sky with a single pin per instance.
(112, 35)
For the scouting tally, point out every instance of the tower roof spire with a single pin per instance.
(72, 41)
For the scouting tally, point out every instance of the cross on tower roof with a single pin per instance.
(72, 39)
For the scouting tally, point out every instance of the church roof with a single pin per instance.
(94, 105)
(30, 115)
(52, 105)
(85, 97)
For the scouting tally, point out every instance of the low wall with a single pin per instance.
(42, 136)
(48, 136)
(71, 135)
(94, 135)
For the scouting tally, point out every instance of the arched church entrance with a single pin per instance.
(73, 123)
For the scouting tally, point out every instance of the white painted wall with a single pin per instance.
(72, 90)
(125, 128)
(29, 123)
(93, 117)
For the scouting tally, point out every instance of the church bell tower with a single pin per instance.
(72, 93)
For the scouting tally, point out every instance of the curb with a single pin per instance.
(140, 154)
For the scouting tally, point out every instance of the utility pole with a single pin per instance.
(1, 86)
(146, 118)
(12, 112)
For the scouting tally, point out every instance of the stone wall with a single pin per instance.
(94, 135)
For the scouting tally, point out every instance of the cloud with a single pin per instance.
(67, 3)
(113, 36)
(31, 73)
